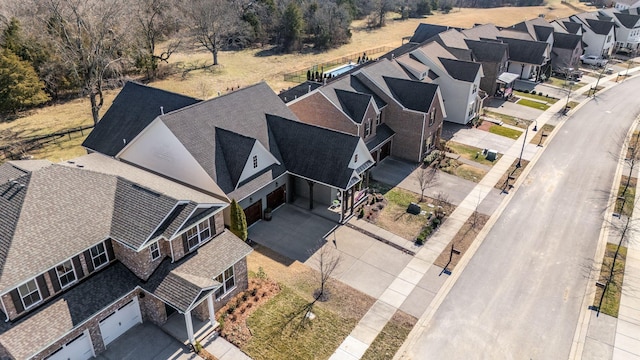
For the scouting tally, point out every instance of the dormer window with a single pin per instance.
(29, 294)
(99, 255)
(199, 234)
(154, 249)
(66, 276)
(255, 161)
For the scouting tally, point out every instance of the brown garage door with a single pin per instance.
(385, 150)
(277, 197)
(253, 212)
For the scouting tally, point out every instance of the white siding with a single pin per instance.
(264, 157)
(363, 155)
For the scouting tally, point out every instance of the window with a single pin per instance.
(99, 255)
(65, 273)
(199, 234)
(432, 116)
(475, 88)
(379, 119)
(29, 293)
(228, 281)
(355, 158)
(155, 250)
(608, 38)
(367, 128)
(255, 161)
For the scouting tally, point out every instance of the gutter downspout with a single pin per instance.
(5, 310)
(424, 118)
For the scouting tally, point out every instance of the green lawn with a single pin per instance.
(505, 131)
(550, 100)
(563, 83)
(508, 119)
(629, 196)
(470, 152)
(611, 301)
(533, 104)
(277, 325)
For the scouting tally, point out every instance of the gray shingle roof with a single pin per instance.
(600, 27)
(414, 95)
(461, 70)
(426, 31)
(11, 201)
(314, 152)
(232, 152)
(529, 52)
(10, 172)
(487, 51)
(135, 107)
(353, 104)
(566, 41)
(572, 27)
(627, 20)
(182, 282)
(383, 133)
(298, 90)
(241, 112)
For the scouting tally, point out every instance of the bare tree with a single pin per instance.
(216, 23)
(426, 177)
(88, 36)
(632, 157)
(328, 261)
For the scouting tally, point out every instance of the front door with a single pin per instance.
(253, 212)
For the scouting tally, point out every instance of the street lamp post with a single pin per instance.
(524, 142)
(568, 81)
(535, 125)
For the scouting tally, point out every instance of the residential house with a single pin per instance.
(626, 4)
(627, 29)
(393, 113)
(567, 26)
(494, 57)
(93, 246)
(598, 34)
(566, 52)
(246, 143)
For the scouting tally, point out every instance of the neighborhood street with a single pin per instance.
(520, 295)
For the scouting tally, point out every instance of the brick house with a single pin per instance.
(245, 144)
(93, 246)
(380, 102)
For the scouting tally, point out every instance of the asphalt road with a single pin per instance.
(520, 295)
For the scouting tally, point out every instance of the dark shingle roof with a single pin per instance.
(314, 152)
(298, 90)
(566, 41)
(135, 107)
(487, 51)
(572, 27)
(353, 104)
(529, 52)
(542, 32)
(182, 282)
(10, 172)
(383, 133)
(627, 20)
(414, 95)
(600, 27)
(426, 31)
(30, 334)
(232, 153)
(360, 87)
(460, 70)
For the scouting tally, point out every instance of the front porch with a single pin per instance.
(188, 327)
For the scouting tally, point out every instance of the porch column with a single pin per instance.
(343, 203)
(310, 194)
(212, 314)
(189, 322)
(352, 201)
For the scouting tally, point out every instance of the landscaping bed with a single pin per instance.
(389, 340)
(626, 207)
(538, 139)
(513, 174)
(611, 301)
(536, 96)
(394, 216)
(462, 241)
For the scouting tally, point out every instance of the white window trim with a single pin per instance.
(73, 271)
(93, 258)
(198, 231)
(255, 161)
(367, 128)
(151, 250)
(224, 281)
(37, 290)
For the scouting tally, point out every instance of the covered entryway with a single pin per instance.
(120, 321)
(385, 151)
(277, 197)
(79, 348)
(253, 212)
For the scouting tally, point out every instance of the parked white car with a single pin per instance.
(593, 60)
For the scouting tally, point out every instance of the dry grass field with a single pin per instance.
(243, 68)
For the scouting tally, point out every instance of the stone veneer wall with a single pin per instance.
(153, 309)
(140, 263)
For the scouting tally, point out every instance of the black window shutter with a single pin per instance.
(77, 265)
(109, 246)
(17, 302)
(185, 243)
(42, 284)
(87, 259)
(53, 276)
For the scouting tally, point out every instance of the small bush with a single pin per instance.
(197, 347)
(245, 296)
(435, 222)
(253, 291)
(231, 308)
(526, 91)
(533, 92)
(261, 274)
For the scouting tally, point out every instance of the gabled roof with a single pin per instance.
(413, 67)
(543, 32)
(452, 38)
(529, 52)
(383, 133)
(10, 172)
(426, 31)
(354, 104)
(135, 107)
(627, 20)
(600, 27)
(572, 27)
(184, 282)
(461, 70)
(314, 152)
(232, 152)
(566, 41)
(414, 95)
(485, 31)
(487, 51)
(298, 90)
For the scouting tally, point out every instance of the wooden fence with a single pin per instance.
(21, 147)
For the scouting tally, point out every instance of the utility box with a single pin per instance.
(492, 155)
(414, 209)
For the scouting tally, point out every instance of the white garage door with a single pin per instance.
(120, 321)
(79, 348)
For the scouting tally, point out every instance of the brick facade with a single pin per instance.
(177, 242)
(153, 309)
(242, 283)
(140, 263)
(317, 110)
(202, 311)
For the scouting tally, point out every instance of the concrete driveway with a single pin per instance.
(145, 342)
(399, 173)
(293, 232)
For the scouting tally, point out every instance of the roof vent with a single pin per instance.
(124, 141)
(80, 166)
(162, 110)
(70, 162)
